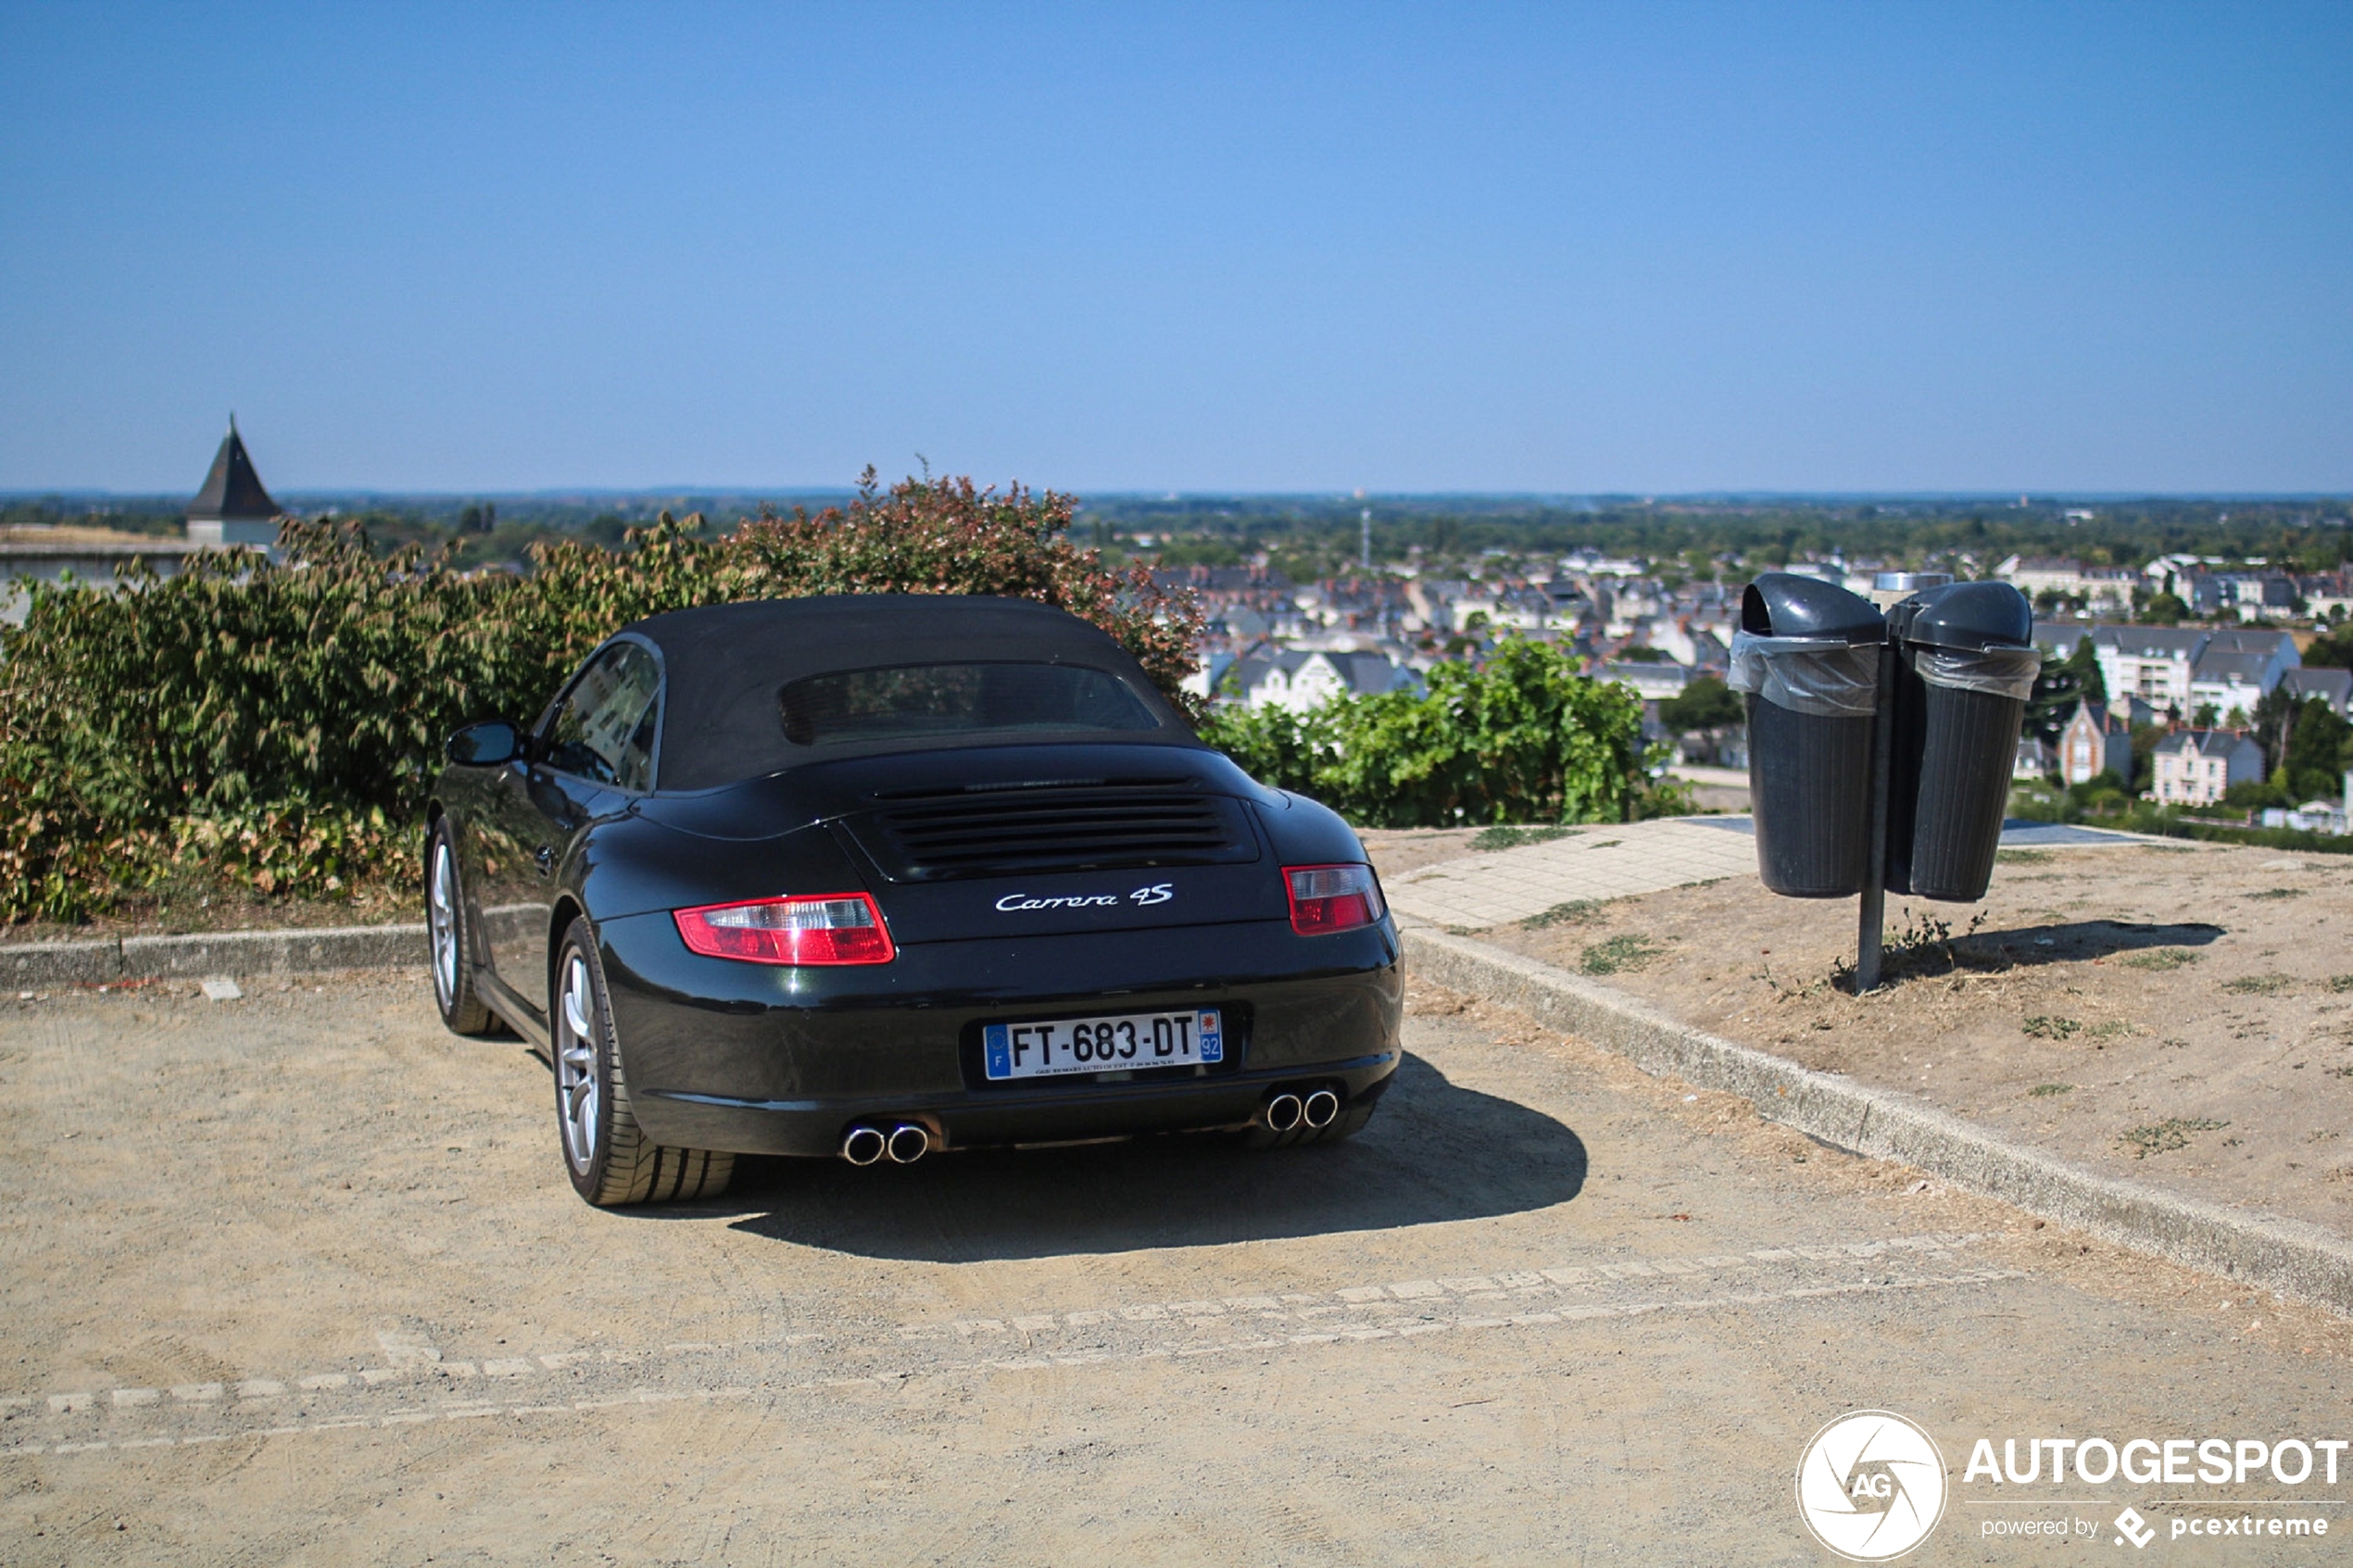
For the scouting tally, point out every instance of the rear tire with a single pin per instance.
(449, 940)
(608, 1155)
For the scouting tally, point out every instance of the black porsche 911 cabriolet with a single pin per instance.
(880, 875)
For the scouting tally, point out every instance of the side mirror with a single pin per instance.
(489, 744)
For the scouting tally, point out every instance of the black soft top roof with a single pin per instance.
(725, 664)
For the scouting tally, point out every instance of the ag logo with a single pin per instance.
(1870, 1486)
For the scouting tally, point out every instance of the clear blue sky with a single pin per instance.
(1565, 247)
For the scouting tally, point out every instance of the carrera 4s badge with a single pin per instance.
(1154, 893)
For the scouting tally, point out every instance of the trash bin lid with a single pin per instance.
(1970, 615)
(1783, 606)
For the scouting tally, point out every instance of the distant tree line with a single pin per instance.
(1704, 540)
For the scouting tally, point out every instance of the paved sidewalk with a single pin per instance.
(1592, 862)
(1619, 861)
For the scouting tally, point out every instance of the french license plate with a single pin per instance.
(1103, 1045)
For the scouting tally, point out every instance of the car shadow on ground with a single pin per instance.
(1433, 1152)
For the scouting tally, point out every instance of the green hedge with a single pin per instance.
(1523, 738)
(275, 724)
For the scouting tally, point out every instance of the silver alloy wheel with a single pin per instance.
(576, 1062)
(441, 921)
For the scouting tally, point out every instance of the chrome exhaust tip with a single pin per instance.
(863, 1145)
(1282, 1113)
(1319, 1107)
(909, 1142)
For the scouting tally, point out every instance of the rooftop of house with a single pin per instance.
(2254, 640)
(2203, 743)
(2100, 714)
(1361, 671)
(2153, 642)
(2336, 685)
(2217, 668)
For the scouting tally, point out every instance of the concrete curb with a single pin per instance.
(206, 954)
(273, 952)
(2282, 1255)
(210, 953)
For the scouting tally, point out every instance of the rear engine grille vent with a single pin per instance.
(1009, 832)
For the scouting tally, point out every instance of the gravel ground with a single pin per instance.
(296, 1279)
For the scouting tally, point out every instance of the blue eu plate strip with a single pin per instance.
(997, 1040)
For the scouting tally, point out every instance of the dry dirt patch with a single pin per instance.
(2177, 1015)
(1396, 851)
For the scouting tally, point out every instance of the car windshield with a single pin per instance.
(958, 699)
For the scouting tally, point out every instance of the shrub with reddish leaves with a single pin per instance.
(270, 720)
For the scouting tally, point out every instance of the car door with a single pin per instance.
(591, 757)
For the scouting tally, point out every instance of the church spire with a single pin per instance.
(233, 507)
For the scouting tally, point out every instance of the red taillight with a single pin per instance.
(814, 928)
(1328, 898)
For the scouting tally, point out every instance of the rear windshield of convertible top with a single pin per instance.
(919, 701)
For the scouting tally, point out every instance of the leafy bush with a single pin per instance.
(2331, 649)
(2319, 747)
(1705, 703)
(278, 723)
(2255, 794)
(1521, 739)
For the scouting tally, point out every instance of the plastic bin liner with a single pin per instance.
(1808, 675)
(2007, 672)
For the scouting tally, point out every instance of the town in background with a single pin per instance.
(2198, 648)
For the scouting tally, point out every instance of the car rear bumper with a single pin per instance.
(1065, 1114)
(764, 1059)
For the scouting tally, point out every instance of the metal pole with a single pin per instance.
(1873, 915)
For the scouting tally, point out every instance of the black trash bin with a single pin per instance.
(1967, 663)
(1806, 658)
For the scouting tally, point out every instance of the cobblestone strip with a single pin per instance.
(417, 1382)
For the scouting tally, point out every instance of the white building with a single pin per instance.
(2196, 766)
(2176, 667)
(2154, 663)
(1300, 679)
(2239, 667)
(2101, 587)
(2230, 682)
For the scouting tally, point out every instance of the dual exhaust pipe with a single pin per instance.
(903, 1145)
(865, 1144)
(1315, 1110)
